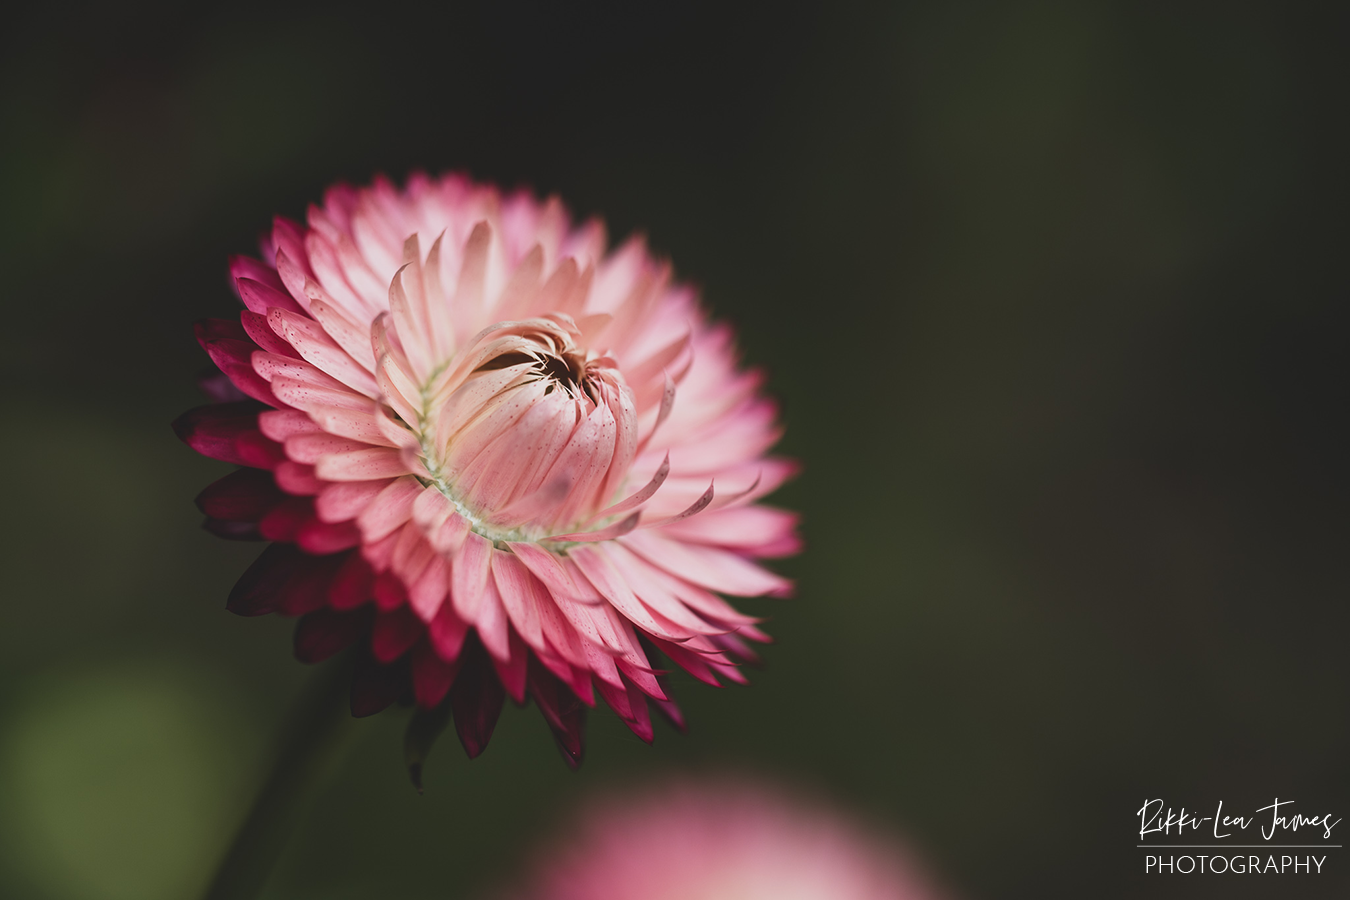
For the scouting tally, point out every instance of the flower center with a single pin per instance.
(565, 369)
(525, 434)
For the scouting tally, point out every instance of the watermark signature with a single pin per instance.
(1277, 821)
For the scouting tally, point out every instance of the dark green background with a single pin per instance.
(1054, 296)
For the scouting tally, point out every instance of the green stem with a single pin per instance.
(314, 738)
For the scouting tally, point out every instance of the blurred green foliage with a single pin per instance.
(1052, 295)
(123, 782)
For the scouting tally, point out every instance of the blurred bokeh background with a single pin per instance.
(1054, 296)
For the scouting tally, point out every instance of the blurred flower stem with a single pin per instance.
(315, 736)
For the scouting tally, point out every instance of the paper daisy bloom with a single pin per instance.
(721, 841)
(505, 460)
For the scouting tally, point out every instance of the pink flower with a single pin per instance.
(513, 463)
(721, 841)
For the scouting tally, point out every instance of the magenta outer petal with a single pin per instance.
(565, 714)
(228, 432)
(243, 496)
(394, 634)
(432, 676)
(320, 634)
(476, 699)
(218, 387)
(259, 589)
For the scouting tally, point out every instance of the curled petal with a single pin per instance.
(640, 496)
(693, 509)
(618, 529)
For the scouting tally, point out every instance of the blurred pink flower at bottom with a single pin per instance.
(722, 841)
